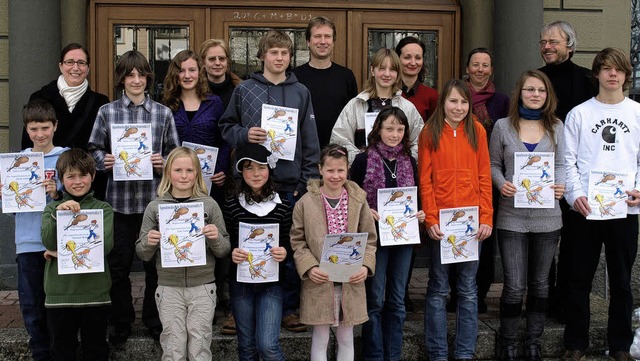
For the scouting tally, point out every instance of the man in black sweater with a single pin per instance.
(573, 85)
(331, 85)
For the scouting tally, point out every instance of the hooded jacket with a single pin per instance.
(244, 112)
(307, 238)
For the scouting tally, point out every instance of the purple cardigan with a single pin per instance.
(203, 129)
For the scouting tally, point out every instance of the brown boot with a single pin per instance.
(229, 326)
(292, 323)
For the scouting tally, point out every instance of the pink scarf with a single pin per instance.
(479, 100)
(374, 179)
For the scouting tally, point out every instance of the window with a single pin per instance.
(158, 43)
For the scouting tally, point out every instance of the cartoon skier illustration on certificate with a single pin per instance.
(460, 228)
(131, 146)
(182, 243)
(281, 124)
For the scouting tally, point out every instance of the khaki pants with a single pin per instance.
(186, 314)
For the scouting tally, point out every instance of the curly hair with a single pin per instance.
(173, 90)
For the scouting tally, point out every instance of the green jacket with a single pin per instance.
(76, 290)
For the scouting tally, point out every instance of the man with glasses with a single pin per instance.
(573, 85)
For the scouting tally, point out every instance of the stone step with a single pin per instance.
(296, 346)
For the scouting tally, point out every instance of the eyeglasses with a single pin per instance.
(552, 43)
(221, 59)
(80, 63)
(533, 90)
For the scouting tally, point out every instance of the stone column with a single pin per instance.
(516, 34)
(34, 49)
(73, 22)
(477, 27)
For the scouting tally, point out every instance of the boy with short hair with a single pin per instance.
(40, 123)
(76, 302)
(240, 125)
(130, 198)
(602, 133)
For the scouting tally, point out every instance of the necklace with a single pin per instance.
(395, 167)
(384, 102)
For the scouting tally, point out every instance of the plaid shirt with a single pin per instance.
(132, 197)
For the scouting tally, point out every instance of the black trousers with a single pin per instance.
(64, 324)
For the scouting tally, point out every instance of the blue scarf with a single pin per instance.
(529, 114)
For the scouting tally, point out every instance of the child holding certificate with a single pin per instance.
(186, 298)
(332, 205)
(527, 237)
(388, 153)
(257, 307)
(454, 172)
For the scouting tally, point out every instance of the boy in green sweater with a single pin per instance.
(78, 301)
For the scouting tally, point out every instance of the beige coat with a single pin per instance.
(307, 237)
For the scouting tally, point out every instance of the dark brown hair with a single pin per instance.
(40, 111)
(615, 58)
(172, 89)
(73, 46)
(386, 113)
(128, 61)
(76, 159)
(334, 151)
(319, 21)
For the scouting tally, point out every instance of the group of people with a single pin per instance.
(457, 147)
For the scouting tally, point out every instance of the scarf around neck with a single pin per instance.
(529, 114)
(375, 168)
(479, 100)
(71, 94)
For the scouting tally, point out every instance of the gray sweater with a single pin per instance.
(505, 141)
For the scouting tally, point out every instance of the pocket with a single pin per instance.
(158, 295)
(210, 289)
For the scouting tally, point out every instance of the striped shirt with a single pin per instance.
(132, 197)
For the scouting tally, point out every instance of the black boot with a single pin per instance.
(509, 325)
(536, 308)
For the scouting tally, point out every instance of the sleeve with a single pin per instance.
(231, 122)
(310, 147)
(344, 130)
(358, 169)
(571, 144)
(560, 166)
(416, 124)
(221, 245)
(425, 186)
(302, 255)
(224, 150)
(367, 225)
(49, 227)
(149, 222)
(170, 136)
(99, 142)
(107, 213)
(484, 177)
(496, 154)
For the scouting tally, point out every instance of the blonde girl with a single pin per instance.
(186, 298)
(332, 205)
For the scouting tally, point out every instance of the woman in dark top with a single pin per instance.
(76, 105)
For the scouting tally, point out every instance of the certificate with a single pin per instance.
(80, 241)
(398, 224)
(460, 228)
(182, 243)
(534, 174)
(343, 255)
(607, 194)
(258, 240)
(208, 157)
(131, 146)
(281, 124)
(21, 175)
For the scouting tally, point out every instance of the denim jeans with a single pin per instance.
(526, 260)
(435, 315)
(31, 296)
(257, 310)
(620, 239)
(385, 304)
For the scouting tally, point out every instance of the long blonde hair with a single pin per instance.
(435, 124)
(199, 187)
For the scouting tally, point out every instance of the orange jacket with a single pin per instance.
(455, 175)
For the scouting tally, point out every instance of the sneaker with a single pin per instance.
(229, 326)
(292, 323)
(573, 355)
(622, 356)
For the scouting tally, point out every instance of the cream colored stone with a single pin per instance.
(584, 4)
(4, 17)
(551, 4)
(4, 58)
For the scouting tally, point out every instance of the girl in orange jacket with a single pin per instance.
(454, 171)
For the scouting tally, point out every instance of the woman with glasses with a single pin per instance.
(76, 105)
(527, 237)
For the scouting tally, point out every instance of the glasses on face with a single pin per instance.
(80, 63)
(552, 43)
(533, 90)
(221, 59)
